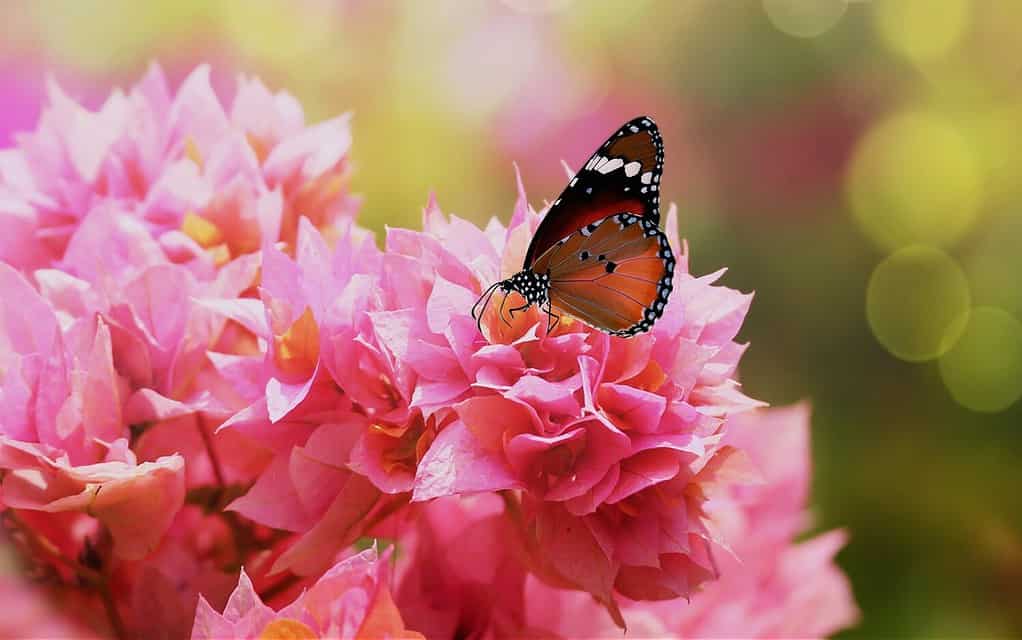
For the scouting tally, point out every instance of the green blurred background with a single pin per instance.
(855, 163)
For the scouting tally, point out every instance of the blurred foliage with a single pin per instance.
(806, 141)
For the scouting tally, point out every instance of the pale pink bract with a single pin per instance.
(207, 182)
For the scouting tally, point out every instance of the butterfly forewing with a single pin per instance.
(623, 175)
(614, 274)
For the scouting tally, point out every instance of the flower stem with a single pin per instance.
(111, 611)
(43, 546)
(279, 587)
(207, 440)
(387, 510)
(513, 508)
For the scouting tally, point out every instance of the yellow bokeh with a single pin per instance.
(804, 18)
(127, 31)
(915, 178)
(983, 371)
(922, 30)
(917, 303)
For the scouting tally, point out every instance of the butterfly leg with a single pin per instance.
(552, 319)
(480, 301)
(485, 301)
(501, 311)
(511, 312)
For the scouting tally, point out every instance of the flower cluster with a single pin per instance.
(212, 376)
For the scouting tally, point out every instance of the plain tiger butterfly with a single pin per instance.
(599, 254)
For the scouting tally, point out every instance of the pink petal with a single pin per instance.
(457, 463)
(446, 301)
(248, 312)
(555, 397)
(210, 625)
(282, 397)
(273, 500)
(338, 528)
(30, 325)
(638, 410)
(491, 419)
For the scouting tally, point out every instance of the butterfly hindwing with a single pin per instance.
(622, 176)
(614, 274)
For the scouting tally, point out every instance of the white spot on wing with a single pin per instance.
(632, 168)
(609, 166)
(647, 177)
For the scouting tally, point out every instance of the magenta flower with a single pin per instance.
(207, 182)
(351, 600)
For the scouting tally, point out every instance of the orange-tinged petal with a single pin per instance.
(202, 231)
(384, 621)
(287, 629)
(192, 152)
(221, 254)
(649, 379)
(297, 350)
(259, 147)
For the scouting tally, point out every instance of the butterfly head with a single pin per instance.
(526, 288)
(532, 286)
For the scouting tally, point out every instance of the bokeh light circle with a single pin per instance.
(915, 178)
(983, 371)
(804, 18)
(921, 30)
(917, 303)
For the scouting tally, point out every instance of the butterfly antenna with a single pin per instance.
(476, 305)
(487, 295)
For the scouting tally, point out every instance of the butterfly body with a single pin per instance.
(599, 254)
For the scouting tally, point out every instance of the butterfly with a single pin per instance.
(599, 254)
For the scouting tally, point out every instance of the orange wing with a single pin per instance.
(614, 274)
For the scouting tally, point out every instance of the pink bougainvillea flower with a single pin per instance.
(351, 600)
(208, 182)
(770, 587)
(615, 444)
